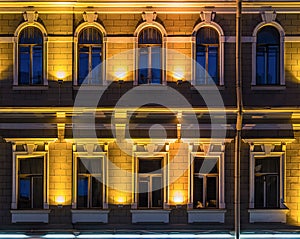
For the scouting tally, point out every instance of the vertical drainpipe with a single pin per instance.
(238, 136)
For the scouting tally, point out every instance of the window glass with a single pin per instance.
(150, 56)
(207, 56)
(267, 56)
(30, 56)
(90, 56)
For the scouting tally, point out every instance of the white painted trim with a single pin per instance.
(104, 157)
(221, 177)
(100, 28)
(206, 215)
(99, 216)
(30, 216)
(267, 215)
(16, 53)
(154, 24)
(150, 216)
(15, 167)
(222, 38)
(281, 50)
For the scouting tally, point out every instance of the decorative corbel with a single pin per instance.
(149, 16)
(268, 16)
(207, 16)
(30, 16)
(90, 17)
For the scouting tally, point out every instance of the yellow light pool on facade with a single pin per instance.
(60, 200)
(60, 74)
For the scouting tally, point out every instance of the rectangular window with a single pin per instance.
(150, 183)
(205, 182)
(31, 183)
(267, 182)
(89, 182)
(149, 65)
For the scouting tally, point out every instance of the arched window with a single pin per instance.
(90, 50)
(207, 56)
(150, 56)
(267, 56)
(30, 50)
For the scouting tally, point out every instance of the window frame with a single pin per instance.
(104, 175)
(267, 152)
(16, 59)
(164, 175)
(210, 153)
(221, 58)
(281, 73)
(163, 33)
(77, 32)
(17, 155)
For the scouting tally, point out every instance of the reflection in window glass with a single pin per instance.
(267, 56)
(30, 57)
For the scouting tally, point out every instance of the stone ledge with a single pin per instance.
(206, 215)
(30, 215)
(268, 215)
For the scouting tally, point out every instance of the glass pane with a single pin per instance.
(267, 165)
(89, 165)
(259, 192)
(198, 192)
(268, 35)
(143, 65)
(272, 193)
(211, 188)
(24, 65)
(207, 35)
(31, 35)
(205, 165)
(83, 64)
(149, 165)
(90, 35)
(201, 65)
(31, 166)
(37, 195)
(156, 192)
(143, 193)
(96, 192)
(261, 66)
(273, 68)
(37, 65)
(82, 192)
(96, 74)
(156, 65)
(150, 36)
(213, 64)
(24, 193)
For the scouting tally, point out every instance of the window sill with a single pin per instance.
(208, 87)
(153, 87)
(30, 215)
(89, 215)
(150, 215)
(206, 215)
(90, 87)
(268, 215)
(30, 87)
(268, 87)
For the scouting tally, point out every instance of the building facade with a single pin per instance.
(124, 113)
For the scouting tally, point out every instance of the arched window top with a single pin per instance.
(90, 35)
(31, 35)
(150, 35)
(207, 35)
(268, 35)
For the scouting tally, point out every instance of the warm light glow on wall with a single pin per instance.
(120, 199)
(60, 199)
(60, 74)
(178, 75)
(120, 73)
(178, 197)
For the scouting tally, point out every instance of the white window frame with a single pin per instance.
(165, 158)
(100, 28)
(163, 32)
(17, 155)
(221, 175)
(16, 54)
(220, 31)
(267, 152)
(281, 51)
(91, 154)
